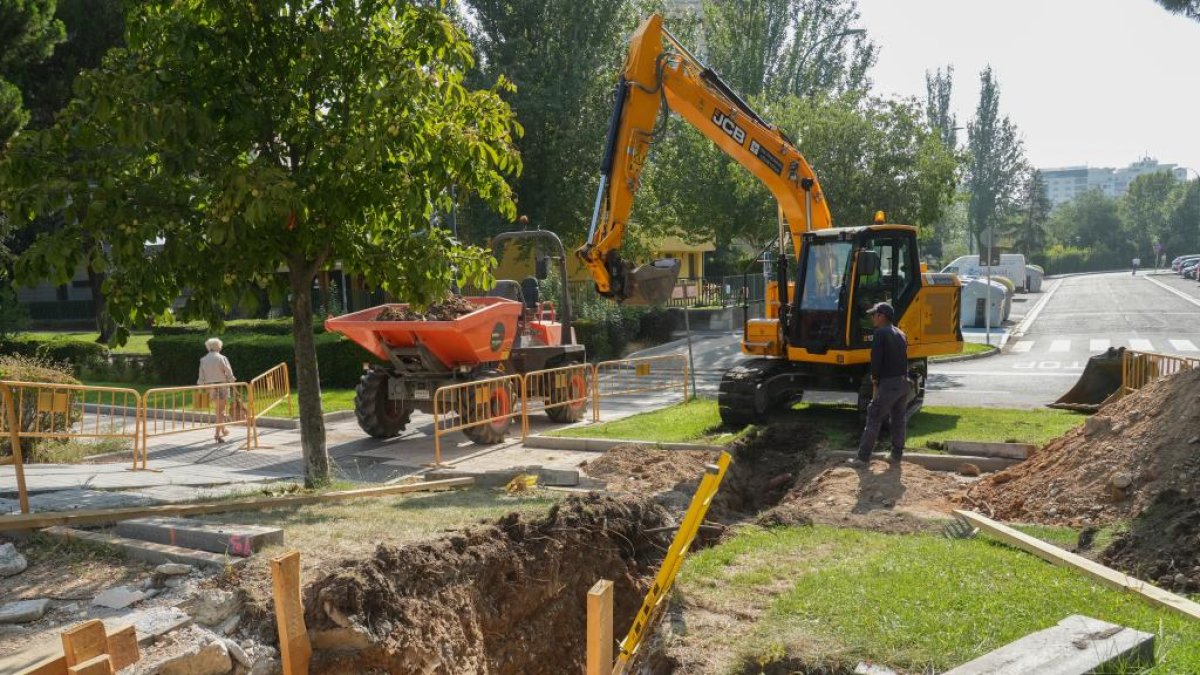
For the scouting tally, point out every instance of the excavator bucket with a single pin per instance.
(652, 283)
(1100, 382)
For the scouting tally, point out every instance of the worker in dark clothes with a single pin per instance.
(889, 380)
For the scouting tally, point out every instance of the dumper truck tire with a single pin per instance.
(500, 402)
(575, 391)
(378, 416)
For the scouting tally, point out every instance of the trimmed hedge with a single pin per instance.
(81, 355)
(282, 326)
(176, 358)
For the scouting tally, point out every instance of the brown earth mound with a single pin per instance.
(1112, 466)
(1162, 545)
(448, 310)
(882, 496)
(646, 469)
(507, 599)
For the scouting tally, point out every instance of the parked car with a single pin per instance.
(1182, 261)
(1189, 272)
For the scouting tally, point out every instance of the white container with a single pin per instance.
(1012, 266)
(1034, 276)
(975, 298)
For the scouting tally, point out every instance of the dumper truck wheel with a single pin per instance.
(377, 415)
(574, 390)
(499, 401)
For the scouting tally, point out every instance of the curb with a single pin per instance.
(948, 463)
(604, 444)
(967, 357)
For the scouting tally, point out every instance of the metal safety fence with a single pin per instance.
(1139, 369)
(176, 410)
(626, 377)
(481, 409)
(565, 394)
(269, 391)
(42, 410)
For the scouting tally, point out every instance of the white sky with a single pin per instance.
(1098, 82)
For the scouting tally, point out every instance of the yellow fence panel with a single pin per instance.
(1139, 369)
(564, 393)
(626, 377)
(176, 410)
(267, 392)
(43, 410)
(483, 409)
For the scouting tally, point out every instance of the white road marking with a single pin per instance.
(1141, 345)
(1176, 291)
(1022, 347)
(1060, 346)
(1073, 372)
(1098, 345)
(1183, 345)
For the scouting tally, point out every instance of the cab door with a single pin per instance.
(895, 282)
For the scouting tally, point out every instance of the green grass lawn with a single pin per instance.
(699, 420)
(968, 348)
(695, 421)
(830, 596)
(139, 343)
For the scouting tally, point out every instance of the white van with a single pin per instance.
(1012, 266)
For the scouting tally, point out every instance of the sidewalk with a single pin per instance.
(190, 466)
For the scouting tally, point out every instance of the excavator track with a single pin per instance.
(743, 397)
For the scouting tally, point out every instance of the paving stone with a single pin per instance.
(211, 658)
(118, 597)
(174, 569)
(11, 561)
(23, 611)
(1076, 646)
(238, 540)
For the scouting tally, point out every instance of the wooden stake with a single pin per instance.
(1108, 577)
(97, 665)
(123, 648)
(93, 517)
(294, 646)
(600, 628)
(83, 642)
(14, 439)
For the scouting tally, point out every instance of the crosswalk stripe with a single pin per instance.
(1060, 346)
(1022, 347)
(1098, 345)
(1184, 345)
(1141, 345)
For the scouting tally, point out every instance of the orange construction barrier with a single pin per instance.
(481, 409)
(564, 393)
(624, 377)
(268, 391)
(175, 410)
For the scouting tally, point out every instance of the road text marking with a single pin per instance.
(1060, 346)
(1184, 345)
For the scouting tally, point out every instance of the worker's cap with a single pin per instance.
(884, 309)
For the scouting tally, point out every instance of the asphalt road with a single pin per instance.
(1048, 344)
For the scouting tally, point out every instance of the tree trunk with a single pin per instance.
(312, 422)
(104, 323)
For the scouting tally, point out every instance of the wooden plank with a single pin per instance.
(123, 648)
(97, 665)
(294, 647)
(1077, 645)
(600, 628)
(98, 516)
(84, 641)
(54, 666)
(1104, 575)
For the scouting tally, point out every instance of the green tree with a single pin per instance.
(28, 33)
(1188, 8)
(562, 56)
(996, 163)
(1091, 221)
(249, 138)
(938, 88)
(1183, 222)
(1029, 221)
(1146, 212)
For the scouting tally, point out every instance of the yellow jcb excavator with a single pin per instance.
(816, 333)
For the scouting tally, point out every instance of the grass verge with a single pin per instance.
(331, 399)
(695, 421)
(968, 348)
(138, 343)
(831, 597)
(699, 421)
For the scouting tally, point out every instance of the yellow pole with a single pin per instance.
(14, 435)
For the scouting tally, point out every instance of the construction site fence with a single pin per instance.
(628, 377)
(269, 391)
(491, 402)
(1139, 369)
(176, 410)
(565, 392)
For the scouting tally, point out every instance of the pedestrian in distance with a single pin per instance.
(1136, 263)
(889, 385)
(215, 369)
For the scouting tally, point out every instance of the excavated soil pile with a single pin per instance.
(900, 498)
(1112, 466)
(646, 469)
(507, 599)
(448, 310)
(1162, 545)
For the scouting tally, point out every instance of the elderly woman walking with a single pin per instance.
(215, 369)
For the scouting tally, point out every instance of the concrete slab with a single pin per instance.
(23, 611)
(981, 449)
(239, 540)
(147, 551)
(1077, 645)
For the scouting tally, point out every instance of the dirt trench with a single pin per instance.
(506, 599)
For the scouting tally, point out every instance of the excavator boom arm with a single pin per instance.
(660, 73)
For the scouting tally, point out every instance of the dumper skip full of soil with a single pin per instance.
(1109, 468)
(448, 310)
(506, 599)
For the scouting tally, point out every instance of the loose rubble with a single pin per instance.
(11, 561)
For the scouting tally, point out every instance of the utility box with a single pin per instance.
(976, 305)
(1033, 278)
